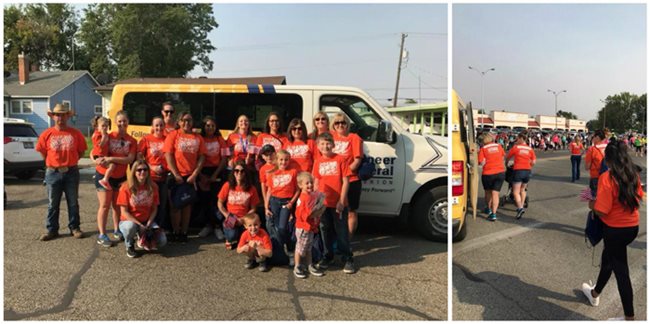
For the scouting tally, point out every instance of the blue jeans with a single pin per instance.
(280, 221)
(575, 167)
(335, 228)
(129, 229)
(58, 183)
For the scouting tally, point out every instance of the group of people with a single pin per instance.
(616, 192)
(265, 195)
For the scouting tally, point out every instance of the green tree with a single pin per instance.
(138, 40)
(624, 112)
(566, 114)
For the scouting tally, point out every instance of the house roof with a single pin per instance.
(252, 80)
(532, 123)
(42, 83)
(485, 120)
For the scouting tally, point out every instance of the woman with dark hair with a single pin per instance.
(272, 133)
(299, 146)
(576, 148)
(594, 157)
(617, 204)
(524, 157)
(216, 153)
(237, 197)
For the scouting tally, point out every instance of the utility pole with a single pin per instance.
(399, 69)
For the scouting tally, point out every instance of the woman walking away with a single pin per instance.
(524, 161)
(617, 204)
(576, 149)
(490, 157)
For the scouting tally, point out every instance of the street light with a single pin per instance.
(482, 74)
(556, 93)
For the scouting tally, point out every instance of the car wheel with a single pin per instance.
(26, 175)
(431, 213)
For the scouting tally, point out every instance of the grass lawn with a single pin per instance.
(89, 143)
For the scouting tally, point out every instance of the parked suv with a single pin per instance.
(21, 157)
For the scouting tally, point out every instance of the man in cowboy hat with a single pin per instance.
(61, 147)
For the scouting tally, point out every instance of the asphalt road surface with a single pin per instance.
(401, 276)
(533, 268)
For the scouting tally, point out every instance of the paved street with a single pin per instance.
(532, 269)
(401, 276)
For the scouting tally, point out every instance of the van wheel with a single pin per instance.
(430, 213)
(26, 175)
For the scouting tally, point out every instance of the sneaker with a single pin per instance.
(492, 217)
(130, 252)
(315, 271)
(520, 212)
(118, 235)
(182, 237)
(487, 210)
(77, 233)
(49, 236)
(264, 266)
(586, 289)
(299, 272)
(205, 231)
(104, 241)
(349, 267)
(250, 264)
(219, 234)
(231, 245)
(105, 184)
(323, 264)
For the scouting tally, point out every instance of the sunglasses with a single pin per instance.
(340, 123)
(320, 119)
(141, 170)
(296, 129)
(167, 112)
(238, 171)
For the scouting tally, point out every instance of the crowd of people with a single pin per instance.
(277, 197)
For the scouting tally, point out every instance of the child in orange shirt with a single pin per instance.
(255, 243)
(331, 173)
(309, 208)
(281, 195)
(100, 146)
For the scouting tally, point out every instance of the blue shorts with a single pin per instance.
(493, 181)
(521, 176)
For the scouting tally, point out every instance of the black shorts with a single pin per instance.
(115, 183)
(638, 148)
(493, 181)
(354, 195)
(521, 176)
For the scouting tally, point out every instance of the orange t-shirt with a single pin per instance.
(139, 205)
(241, 145)
(282, 183)
(524, 155)
(301, 154)
(276, 140)
(594, 158)
(264, 171)
(330, 173)
(238, 201)
(350, 147)
(151, 148)
(62, 148)
(303, 211)
(615, 215)
(492, 154)
(576, 149)
(215, 149)
(119, 147)
(98, 150)
(262, 237)
(186, 149)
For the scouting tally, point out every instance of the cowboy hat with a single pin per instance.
(60, 109)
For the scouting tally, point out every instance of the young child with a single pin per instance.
(267, 153)
(309, 208)
(281, 196)
(255, 243)
(100, 146)
(331, 174)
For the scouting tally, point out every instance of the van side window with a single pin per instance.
(364, 120)
(142, 107)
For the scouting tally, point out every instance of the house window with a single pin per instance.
(98, 110)
(21, 107)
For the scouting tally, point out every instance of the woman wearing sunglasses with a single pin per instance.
(321, 125)
(350, 146)
(237, 198)
(138, 200)
(299, 146)
(185, 155)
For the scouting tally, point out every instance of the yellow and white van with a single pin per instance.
(410, 181)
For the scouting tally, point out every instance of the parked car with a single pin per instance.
(21, 158)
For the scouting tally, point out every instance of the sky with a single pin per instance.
(335, 44)
(589, 50)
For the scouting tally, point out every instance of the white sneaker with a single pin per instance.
(586, 289)
(219, 234)
(205, 231)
